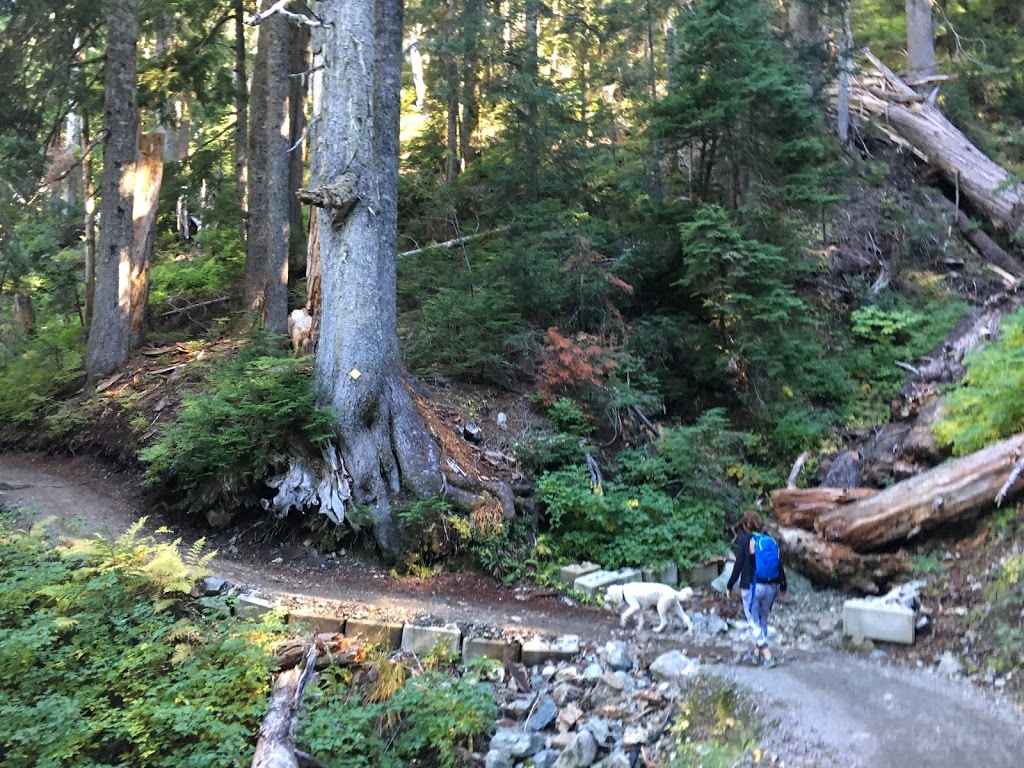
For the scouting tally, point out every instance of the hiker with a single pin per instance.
(760, 579)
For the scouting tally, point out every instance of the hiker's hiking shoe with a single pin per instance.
(752, 658)
(769, 663)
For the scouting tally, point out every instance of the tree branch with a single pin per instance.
(279, 7)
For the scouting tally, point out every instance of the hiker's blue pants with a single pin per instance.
(757, 611)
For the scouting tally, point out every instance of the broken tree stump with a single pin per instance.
(801, 507)
(833, 564)
(950, 492)
(276, 745)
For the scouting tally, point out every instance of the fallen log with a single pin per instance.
(276, 746)
(332, 648)
(950, 492)
(801, 507)
(833, 564)
(922, 126)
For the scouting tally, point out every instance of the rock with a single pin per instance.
(593, 672)
(635, 735)
(472, 432)
(617, 656)
(501, 420)
(674, 667)
(213, 585)
(568, 675)
(518, 707)
(563, 693)
(497, 759)
(617, 759)
(599, 729)
(580, 752)
(843, 472)
(798, 584)
(543, 715)
(516, 743)
(544, 759)
(949, 665)
(722, 581)
(716, 625)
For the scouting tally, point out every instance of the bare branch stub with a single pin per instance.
(279, 7)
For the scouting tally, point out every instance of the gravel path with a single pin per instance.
(833, 709)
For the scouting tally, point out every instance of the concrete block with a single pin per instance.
(561, 649)
(666, 574)
(388, 636)
(704, 573)
(568, 574)
(316, 622)
(486, 648)
(593, 583)
(876, 620)
(422, 640)
(252, 607)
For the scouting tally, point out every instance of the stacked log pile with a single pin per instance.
(835, 532)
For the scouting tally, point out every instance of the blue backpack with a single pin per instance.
(766, 558)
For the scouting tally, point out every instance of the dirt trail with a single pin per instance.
(833, 709)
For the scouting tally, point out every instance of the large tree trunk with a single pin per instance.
(954, 491)
(241, 133)
(801, 507)
(90, 221)
(451, 76)
(804, 23)
(473, 31)
(385, 445)
(266, 261)
(107, 347)
(834, 564)
(911, 121)
(533, 143)
(149, 171)
(299, 90)
(920, 39)
(24, 315)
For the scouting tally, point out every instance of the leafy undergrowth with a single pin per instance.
(715, 727)
(975, 590)
(105, 660)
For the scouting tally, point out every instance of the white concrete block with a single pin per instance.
(593, 583)
(570, 573)
(422, 640)
(876, 620)
(561, 649)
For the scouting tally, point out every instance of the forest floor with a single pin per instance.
(832, 708)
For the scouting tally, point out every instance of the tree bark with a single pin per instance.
(149, 170)
(532, 128)
(834, 564)
(472, 31)
(954, 491)
(24, 315)
(90, 221)
(451, 76)
(299, 89)
(241, 132)
(109, 337)
(266, 261)
(920, 39)
(804, 23)
(276, 745)
(384, 443)
(801, 507)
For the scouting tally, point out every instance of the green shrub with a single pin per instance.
(38, 372)
(104, 662)
(566, 416)
(252, 413)
(989, 404)
(421, 724)
(544, 451)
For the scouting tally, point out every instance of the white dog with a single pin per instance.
(638, 595)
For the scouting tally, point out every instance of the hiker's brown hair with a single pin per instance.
(751, 522)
